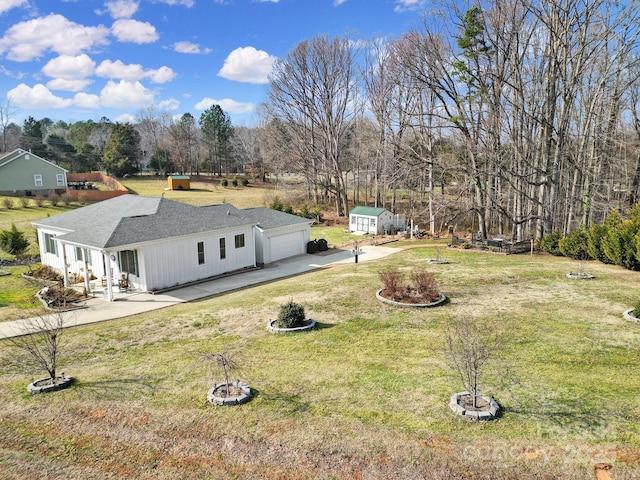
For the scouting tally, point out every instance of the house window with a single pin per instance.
(240, 240)
(128, 260)
(223, 248)
(50, 245)
(200, 253)
(60, 179)
(37, 180)
(353, 219)
(79, 255)
(372, 222)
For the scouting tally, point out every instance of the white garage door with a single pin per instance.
(288, 245)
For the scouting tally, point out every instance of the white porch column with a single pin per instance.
(86, 270)
(109, 275)
(65, 273)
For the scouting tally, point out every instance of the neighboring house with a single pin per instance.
(370, 220)
(158, 243)
(278, 235)
(24, 173)
(179, 182)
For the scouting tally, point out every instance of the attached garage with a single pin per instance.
(278, 235)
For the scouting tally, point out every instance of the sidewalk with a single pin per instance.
(98, 309)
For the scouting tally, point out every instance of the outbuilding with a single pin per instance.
(179, 182)
(370, 220)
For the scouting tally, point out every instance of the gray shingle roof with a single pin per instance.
(131, 219)
(267, 218)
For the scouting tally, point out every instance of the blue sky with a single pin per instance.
(84, 59)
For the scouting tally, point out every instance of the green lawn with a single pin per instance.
(363, 396)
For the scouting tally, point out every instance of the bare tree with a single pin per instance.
(7, 111)
(39, 337)
(313, 92)
(470, 345)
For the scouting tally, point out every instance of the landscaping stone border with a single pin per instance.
(628, 314)
(437, 261)
(273, 329)
(437, 303)
(491, 414)
(580, 276)
(244, 396)
(60, 385)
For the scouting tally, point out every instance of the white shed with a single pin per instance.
(370, 220)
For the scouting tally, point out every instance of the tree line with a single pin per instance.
(518, 119)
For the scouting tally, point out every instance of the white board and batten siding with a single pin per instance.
(175, 261)
(277, 243)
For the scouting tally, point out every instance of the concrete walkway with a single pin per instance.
(98, 309)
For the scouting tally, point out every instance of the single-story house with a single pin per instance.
(156, 243)
(370, 220)
(179, 182)
(24, 173)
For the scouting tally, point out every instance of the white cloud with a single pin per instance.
(246, 64)
(68, 85)
(120, 71)
(86, 100)
(37, 98)
(267, 1)
(133, 71)
(126, 118)
(133, 31)
(227, 104)
(122, 8)
(161, 75)
(408, 5)
(125, 94)
(170, 104)
(186, 3)
(188, 47)
(6, 5)
(28, 40)
(70, 67)
(337, 3)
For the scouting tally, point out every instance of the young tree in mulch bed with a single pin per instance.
(470, 345)
(228, 392)
(40, 339)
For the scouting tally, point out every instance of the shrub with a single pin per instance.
(8, 203)
(39, 200)
(594, 242)
(66, 199)
(636, 310)
(575, 246)
(224, 182)
(45, 272)
(24, 201)
(291, 315)
(54, 200)
(549, 243)
(276, 204)
(393, 282)
(234, 181)
(13, 241)
(425, 284)
(289, 209)
(244, 181)
(304, 211)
